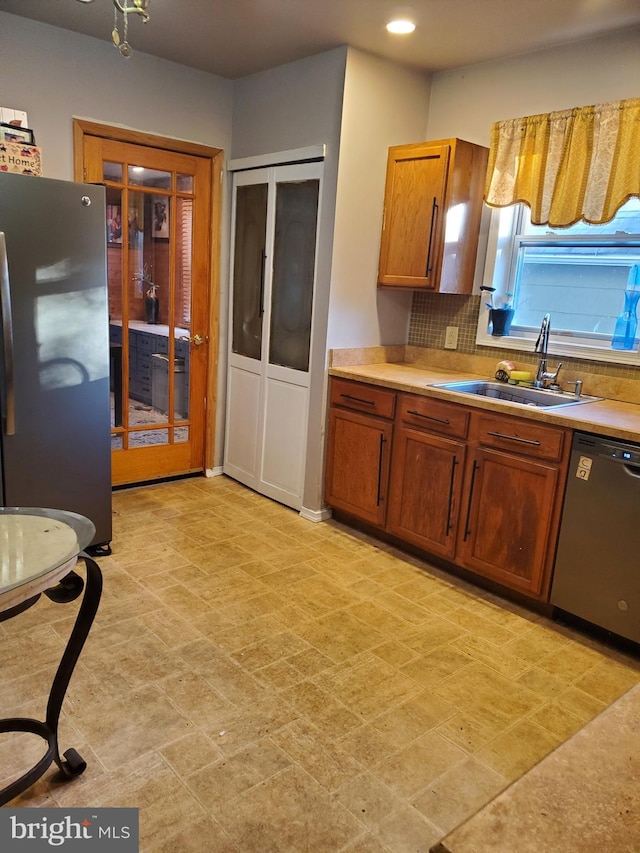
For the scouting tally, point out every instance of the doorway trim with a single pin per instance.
(87, 127)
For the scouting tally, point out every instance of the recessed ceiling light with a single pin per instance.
(401, 27)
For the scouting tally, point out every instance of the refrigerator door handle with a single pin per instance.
(7, 336)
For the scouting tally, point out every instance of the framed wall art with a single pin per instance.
(13, 133)
(160, 219)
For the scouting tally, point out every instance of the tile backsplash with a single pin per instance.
(431, 313)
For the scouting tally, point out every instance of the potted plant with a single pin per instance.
(500, 316)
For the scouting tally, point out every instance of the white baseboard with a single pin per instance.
(213, 472)
(316, 514)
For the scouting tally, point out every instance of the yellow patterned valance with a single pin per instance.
(572, 165)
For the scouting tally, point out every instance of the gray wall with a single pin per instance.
(466, 101)
(54, 75)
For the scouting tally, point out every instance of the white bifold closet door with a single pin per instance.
(275, 224)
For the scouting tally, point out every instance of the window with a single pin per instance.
(578, 275)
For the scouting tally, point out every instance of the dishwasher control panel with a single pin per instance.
(624, 454)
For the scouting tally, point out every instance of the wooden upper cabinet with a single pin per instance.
(432, 212)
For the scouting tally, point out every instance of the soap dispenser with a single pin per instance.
(624, 334)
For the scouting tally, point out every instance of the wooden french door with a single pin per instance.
(159, 228)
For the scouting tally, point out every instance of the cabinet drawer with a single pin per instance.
(527, 438)
(434, 415)
(363, 398)
(160, 344)
(145, 342)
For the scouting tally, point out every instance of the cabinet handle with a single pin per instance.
(428, 417)
(434, 211)
(382, 441)
(358, 399)
(262, 265)
(467, 530)
(453, 475)
(514, 438)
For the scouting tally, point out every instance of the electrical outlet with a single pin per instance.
(451, 338)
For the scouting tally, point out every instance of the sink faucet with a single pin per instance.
(544, 378)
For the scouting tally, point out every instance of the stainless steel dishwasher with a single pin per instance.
(597, 569)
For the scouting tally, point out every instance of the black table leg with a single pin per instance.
(71, 764)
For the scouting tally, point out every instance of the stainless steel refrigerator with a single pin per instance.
(54, 383)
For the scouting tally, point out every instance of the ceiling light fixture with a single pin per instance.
(129, 7)
(402, 26)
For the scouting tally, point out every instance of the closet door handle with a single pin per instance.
(7, 334)
(382, 441)
(261, 297)
(434, 212)
(467, 530)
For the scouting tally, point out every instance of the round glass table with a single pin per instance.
(39, 550)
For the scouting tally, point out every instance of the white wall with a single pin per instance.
(465, 102)
(384, 104)
(55, 74)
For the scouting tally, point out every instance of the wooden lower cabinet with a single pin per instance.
(509, 519)
(480, 489)
(426, 485)
(358, 457)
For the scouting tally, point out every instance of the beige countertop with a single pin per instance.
(582, 798)
(612, 418)
(151, 328)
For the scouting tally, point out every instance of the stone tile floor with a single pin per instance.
(257, 682)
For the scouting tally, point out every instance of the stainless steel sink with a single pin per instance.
(541, 398)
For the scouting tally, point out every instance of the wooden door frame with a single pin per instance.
(84, 127)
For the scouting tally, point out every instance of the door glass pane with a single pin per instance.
(139, 176)
(150, 354)
(112, 172)
(184, 238)
(147, 437)
(184, 183)
(248, 270)
(293, 273)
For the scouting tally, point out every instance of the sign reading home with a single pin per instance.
(79, 830)
(21, 159)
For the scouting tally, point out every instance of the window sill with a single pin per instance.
(558, 348)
